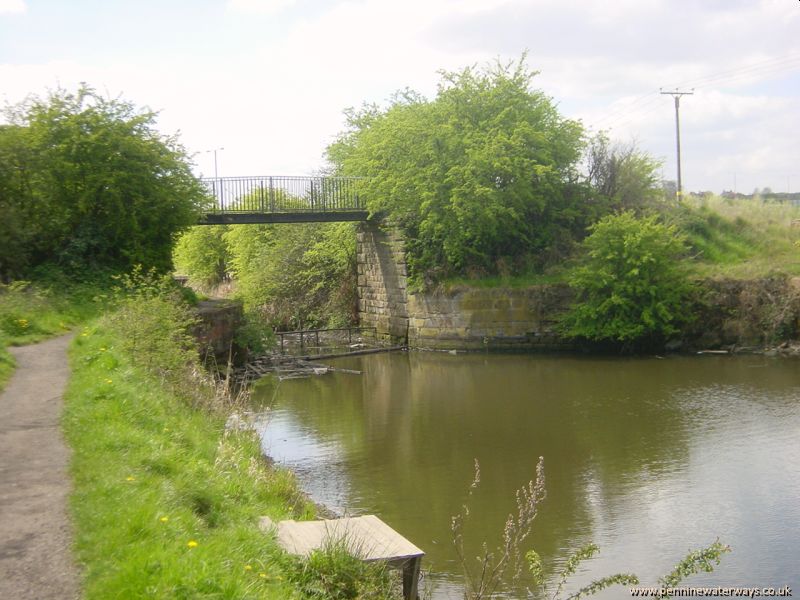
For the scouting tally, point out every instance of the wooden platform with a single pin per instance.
(367, 537)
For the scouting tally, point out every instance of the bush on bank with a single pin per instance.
(631, 285)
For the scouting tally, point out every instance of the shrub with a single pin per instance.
(631, 284)
(154, 323)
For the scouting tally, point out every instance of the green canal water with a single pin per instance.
(648, 458)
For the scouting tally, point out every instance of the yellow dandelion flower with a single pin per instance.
(262, 575)
(109, 381)
(248, 568)
(191, 544)
(130, 478)
(164, 519)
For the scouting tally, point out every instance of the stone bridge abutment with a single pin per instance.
(382, 280)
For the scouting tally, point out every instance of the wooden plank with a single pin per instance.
(367, 536)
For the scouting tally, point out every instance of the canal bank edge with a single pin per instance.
(727, 314)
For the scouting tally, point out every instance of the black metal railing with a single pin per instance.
(318, 339)
(279, 194)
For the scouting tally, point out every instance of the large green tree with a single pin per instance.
(87, 181)
(481, 175)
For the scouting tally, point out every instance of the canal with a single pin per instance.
(648, 458)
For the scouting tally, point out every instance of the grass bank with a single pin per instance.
(33, 311)
(741, 238)
(727, 239)
(166, 502)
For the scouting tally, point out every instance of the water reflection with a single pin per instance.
(647, 458)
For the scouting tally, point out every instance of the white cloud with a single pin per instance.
(259, 6)
(276, 101)
(12, 7)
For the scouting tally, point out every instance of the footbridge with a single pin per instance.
(281, 199)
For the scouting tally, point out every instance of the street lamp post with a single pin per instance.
(215, 150)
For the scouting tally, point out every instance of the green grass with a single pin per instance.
(740, 239)
(728, 239)
(166, 503)
(510, 281)
(34, 311)
(7, 364)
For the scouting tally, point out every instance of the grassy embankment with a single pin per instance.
(727, 239)
(741, 239)
(165, 502)
(33, 311)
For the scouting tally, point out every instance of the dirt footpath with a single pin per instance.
(35, 533)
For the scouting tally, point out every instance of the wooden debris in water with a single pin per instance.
(296, 367)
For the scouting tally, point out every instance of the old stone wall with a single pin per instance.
(729, 313)
(466, 318)
(215, 332)
(382, 299)
(497, 318)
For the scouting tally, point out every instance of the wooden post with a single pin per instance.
(411, 578)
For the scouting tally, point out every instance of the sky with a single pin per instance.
(265, 82)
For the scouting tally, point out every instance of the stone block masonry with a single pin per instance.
(468, 318)
(728, 314)
(382, 295)
(497, 318)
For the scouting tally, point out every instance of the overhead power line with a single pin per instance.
(771, 66)
(646, 104)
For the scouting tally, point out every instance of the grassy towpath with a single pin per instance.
(35, 531)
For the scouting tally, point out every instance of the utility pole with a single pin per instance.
(677, 95)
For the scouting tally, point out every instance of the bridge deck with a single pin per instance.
(278, 199)
(245, 218)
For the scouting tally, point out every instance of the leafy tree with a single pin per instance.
(622, 175)
(288, 275)
(19, 230)
(631, 284)
(201, 253)
(483, 173)
(89, 182)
